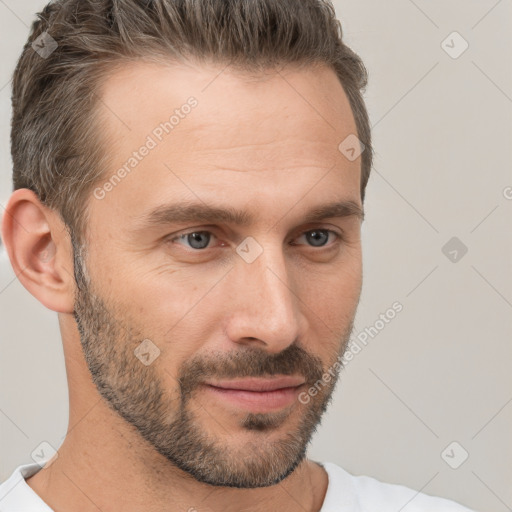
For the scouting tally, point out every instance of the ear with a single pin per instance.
(40, 250)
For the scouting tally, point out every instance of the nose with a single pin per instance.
(264, 311)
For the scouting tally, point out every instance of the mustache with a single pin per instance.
(294, 360)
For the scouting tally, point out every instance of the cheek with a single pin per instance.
(330, 303)
(177, 314)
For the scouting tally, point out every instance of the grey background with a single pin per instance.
(439, 372)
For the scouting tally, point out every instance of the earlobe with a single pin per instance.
(39, 249)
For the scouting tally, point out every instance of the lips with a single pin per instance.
(256, 394)
(257, 384)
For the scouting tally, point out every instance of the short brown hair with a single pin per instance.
(58, 148)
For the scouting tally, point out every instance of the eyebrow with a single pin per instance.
(185, 212)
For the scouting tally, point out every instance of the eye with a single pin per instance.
(318, 237)
(196, 239)
(200, 240)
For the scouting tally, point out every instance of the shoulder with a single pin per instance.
(371, 495)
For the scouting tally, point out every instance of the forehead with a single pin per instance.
(316, 84)
(308, 101)
(211, 126)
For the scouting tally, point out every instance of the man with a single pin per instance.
(189, 182)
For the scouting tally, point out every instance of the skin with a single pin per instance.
(267, 145)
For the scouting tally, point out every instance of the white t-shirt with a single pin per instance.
(345, 493)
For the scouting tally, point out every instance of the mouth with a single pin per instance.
(255, 394)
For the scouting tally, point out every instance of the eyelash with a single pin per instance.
(338, 237)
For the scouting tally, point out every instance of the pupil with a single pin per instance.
(194, 239)
(318, 238)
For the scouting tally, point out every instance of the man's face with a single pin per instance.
(167, 306)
